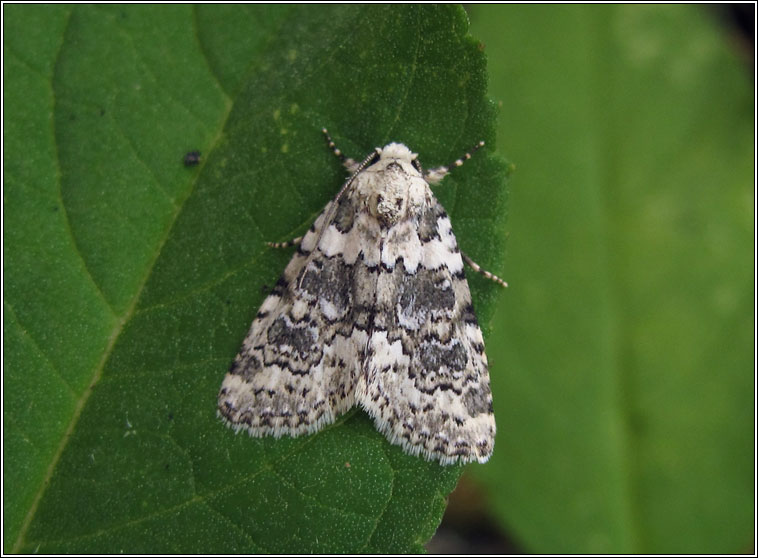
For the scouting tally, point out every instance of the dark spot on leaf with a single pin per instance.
(192, 158)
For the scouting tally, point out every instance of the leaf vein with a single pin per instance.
(37, 346)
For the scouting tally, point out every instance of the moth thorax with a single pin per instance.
(389, 203)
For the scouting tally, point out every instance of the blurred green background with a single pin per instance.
(622, 352)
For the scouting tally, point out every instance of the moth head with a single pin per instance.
(398, 151)
(401, 155)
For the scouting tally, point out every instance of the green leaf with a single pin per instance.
(131, 280)
(626, 398)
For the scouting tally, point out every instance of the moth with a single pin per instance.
(373, 310)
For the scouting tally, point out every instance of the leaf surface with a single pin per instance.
(131, 280)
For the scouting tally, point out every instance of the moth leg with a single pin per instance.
(287, 244)
(476, 267)
(348, 162)
(433, 176)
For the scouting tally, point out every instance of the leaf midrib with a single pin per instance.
(608, 174)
